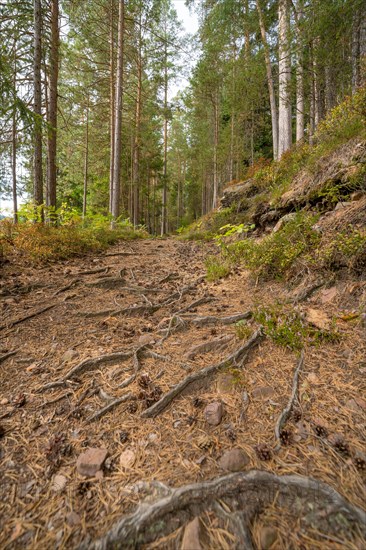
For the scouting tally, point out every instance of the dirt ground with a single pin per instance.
(46, 503)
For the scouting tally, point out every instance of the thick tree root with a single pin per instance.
(110, 406)
(206, 347)
(26, 317)
(284, 416)
(67, 287)
(246, 494)
(238, 357)
(6, 356)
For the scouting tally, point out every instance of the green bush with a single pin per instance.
(216, 267)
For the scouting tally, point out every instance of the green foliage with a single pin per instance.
(288, 329)
(242, 330)
(216, 267)
(275, 254)
(41, 242)
(346, 249)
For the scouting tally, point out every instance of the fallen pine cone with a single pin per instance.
(285, 437)
(360, 463)
(231, 434)
(132, 407)
(144, 381)
(320, 428)
(264, 451)
(296, 415)
(339, 443)
(197, 402)
(123, 436)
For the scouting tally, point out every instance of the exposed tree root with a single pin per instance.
(26, 317)
(196, 303)
(94, 271)
(307, 292)
(6, 356)
(237, 357)
(67, 287)
(211, 320)
(107, 282)
(111, 406)
(170, 277)
(245, 494)
(294, 397)
(16, 290)
(239, 526)
(110, 254)
(206, 347)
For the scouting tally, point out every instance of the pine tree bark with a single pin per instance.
(37, 60)
(270, 82)
(86, 160)
(300, 99)
(111, 101)
(165, 160)
(215, 151)
(14, 144)
(52, 107)
(116, 185)
(284, 108)
(136, 146)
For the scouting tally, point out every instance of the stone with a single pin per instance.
(69, 355)
(313, 379)
(341, 205)
(357, 196)
(4, 401)
(226, 383)
(234, 460)
(267, 537)
(328, 294)
(89, 462)
(263, 392)
(58, 483)
(73, 519)
(127, 459)
(318, 318)
(146, 339)
(213, 413)
(285, 219)
(191, 536)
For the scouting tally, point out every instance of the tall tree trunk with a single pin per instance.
(215, 152)
(111, 102)
(86, 159)
(14, 144)
(165, 161)
(52, 109)
(136, 147)
(284, 108)
(300, 99)
(116, 186)
(270, 82)
(37, 60)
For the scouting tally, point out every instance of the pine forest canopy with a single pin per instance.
(86, 115)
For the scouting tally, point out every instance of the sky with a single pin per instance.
(190, 23)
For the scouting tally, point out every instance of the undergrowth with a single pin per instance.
(216, 267)
(42, 242)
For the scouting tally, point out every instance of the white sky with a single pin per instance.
(190, 24)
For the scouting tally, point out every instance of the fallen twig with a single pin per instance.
(7, 355)
(233, 359)
(294, 397)
(127, 397)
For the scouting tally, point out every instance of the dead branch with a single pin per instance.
(26, 317)
(245, 492)
(294, 397)
(127, 397)
(7, 355)
(238, 356)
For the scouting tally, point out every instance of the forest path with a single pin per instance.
(99, 341)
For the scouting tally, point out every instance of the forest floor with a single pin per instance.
(145, 301)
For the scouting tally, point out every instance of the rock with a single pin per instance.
(226, 383)
(4, 401)
(264, 392)
(191, 536)
(357, 196)
(313, 379)
(127, 459)
(285, 219)
(356, 405)
(91, 461)
(318, 318)
(341, 205)
(213, 413)
(267, 537)
(69, 355)
(328, 294)
(234, 460)
(58, 483)
(146, 339)
(73, 519)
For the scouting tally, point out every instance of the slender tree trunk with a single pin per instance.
(116, 187)
(14, 144)
(86, 160)
(52, 109)
(165, 171)
(215, 152)
(284, 109)
(300, 99)
(136, 148)
(37, 60)
(111, 101)
(270, 82)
